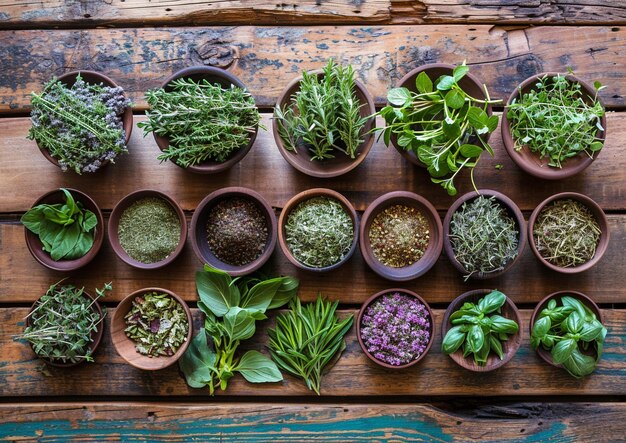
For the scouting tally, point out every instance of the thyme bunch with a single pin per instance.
(203, 121)
(324, 114)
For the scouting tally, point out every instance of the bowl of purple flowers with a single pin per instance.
(395, 328)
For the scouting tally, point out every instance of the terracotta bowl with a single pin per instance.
(470, 84)
(92, 77)
(35, 246)
(306, 195)
(96, 336)
(595, 209)
(584, 299)
(126, 347)
(509, 347)
(530, 161)
(431, 255)
(114, 222)
(341, 164)
(215, 76)
(368, 302)
(199, 234)
(511, 209)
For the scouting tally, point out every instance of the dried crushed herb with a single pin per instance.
(484, 236)
(319, 232)
(157, 323)
(566, 233)
(149, 230)
(399, 236)
(237, 231)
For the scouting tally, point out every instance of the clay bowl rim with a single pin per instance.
(302, 166)
(210, 73)
(595, 209)
(405, 80)
(583, 298)
(118, 336)
(379, 294)
(119, 209)
(306, 195)
(513, 211)
(523, 162)
(433, 251)
(68, 79)
(511, 345)
(208, 203)
(96, 336)
(35, 246)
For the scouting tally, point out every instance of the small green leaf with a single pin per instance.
(579, 365)
(470, 151)
(475, 338)
(453, 340)
(563, 350)
(574, 322)
(501, 324)
(399, 96)
(405, 139)
(197, 362)
(216, 290)
(541, 328)
(239, 323)
(445, 82)
(451, 130)
(454, 99)
(492, 302)
(257, 368)
(423, 83)
(460, 71)
(496, 346)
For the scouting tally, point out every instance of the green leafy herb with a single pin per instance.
(324, 114)
(65, 230)
(557, 119)
(571, 332)
(62, 323)
(441, 123)
(231, 309)
(479, 329)
(203, 121)
(307, 339)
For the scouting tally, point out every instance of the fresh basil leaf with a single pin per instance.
(198, 362)
(573, 303)
(82, 247)
(501, 324)
(257, 368)
(552, 304)
(574, 322)
(399, 96)
(496, 346)
(563, 350)
(541, 327)
(54, 214)
(260, 295)
(579, 364)
(48, 232)
(70, 203)
(445, 82)
(89, 220)
(285, 292)
(491, 302)
(216, 290)
(475, 338)
(453, 340)
(239, 324)
(480, 357)
(591, 330)
(423, 83)
(32, 219)
(465, 319)
(66, 241)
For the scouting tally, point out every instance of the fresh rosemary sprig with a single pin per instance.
(203, 121)
(307, 338)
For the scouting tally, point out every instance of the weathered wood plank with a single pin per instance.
(22, 374)
(267, 58)
(260, 422)
(25, 174)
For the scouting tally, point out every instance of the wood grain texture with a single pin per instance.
(23, 374)
(262, 422)
(267, 58)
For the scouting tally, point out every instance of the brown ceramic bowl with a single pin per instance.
(199, 229)
(431, 255)
(509, 347)
(584, 299)
(215, 76)
(92, 77)
(595, 209)
(511, 209)
(96, 336)
(341, 164)
(126, 347)
(36, 247)
(530, 161)
(306, 195)
(470, 84)
(114, 222)
(360, 318)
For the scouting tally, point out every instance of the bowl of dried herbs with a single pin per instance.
(151, 328)
(568, 232)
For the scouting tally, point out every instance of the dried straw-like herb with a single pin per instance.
(566, 233)
(319, 232)
(483, 236)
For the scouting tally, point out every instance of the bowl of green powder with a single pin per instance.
(147, 229)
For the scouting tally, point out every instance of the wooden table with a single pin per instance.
(139, 43)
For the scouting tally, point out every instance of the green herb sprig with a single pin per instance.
(441, 123)
(567, 330)
(231, 308)
(479, 329)
(65, 230)
(307, 339)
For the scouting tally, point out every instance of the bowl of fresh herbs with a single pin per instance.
(64, 229)
(322, 121)
(554, 125)
(203, 119)
(480, 330)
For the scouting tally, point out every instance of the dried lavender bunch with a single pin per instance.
(81, 127)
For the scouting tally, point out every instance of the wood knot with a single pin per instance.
(214, 53)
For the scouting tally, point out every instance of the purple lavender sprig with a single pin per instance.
(396, 328)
